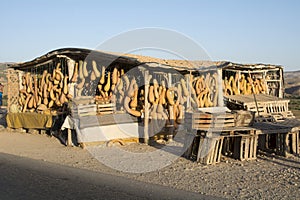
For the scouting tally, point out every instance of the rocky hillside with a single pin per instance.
(3, 67)
(292, 83)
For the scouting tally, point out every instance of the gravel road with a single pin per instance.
(268, 177)
(24, 178)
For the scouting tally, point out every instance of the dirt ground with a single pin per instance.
(268, 177)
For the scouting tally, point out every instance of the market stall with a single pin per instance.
(107, 97)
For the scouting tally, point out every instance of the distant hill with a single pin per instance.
(292, 83)
(3, 67)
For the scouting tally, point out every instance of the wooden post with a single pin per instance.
(188, 101)
(69, 141)
(294, 145)
(170, 107)
(220, 88)
(297, 144)
(239, 77)
(285, 140)
(280, 92)
(146, 117)
(71, 67)
(265, 81)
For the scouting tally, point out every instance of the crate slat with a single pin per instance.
(104, 105)
(106, 112)
(221, 121)
(205, 126)
(105, 108)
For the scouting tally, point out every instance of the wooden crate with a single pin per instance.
(84, 106)
(199, 120)
(206, 150)
(210, 149)
(245, 147)
(280, 143)
(84, 110)
(105, 108)
(242, 147)
(267, 106)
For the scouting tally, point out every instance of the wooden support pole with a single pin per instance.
(285, 141)
(294, 142)
(147, 106)
(265, 81)
(280, 92)
(170, 107)
(239, 77)
(297, 141)
(69, 140)
(188, 100)
(220, 88)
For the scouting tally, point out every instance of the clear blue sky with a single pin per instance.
(239, 31)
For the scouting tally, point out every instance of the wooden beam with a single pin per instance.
(170, 107)
(280, 92)
(220, 88)
(239, 77)
(188, 100)
(69, 140)
(147, 106)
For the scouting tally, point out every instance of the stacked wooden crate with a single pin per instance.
(224, 132)
(204, 121)
(86, 105)
(282, 138)
(208, 145)
(280, 143)
(265, 107)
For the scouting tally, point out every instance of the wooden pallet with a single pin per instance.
(265, 105)
(245, 147)
(206, 150)
(209, 151)
(242, 147)
(280, 143)
(199, 120)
